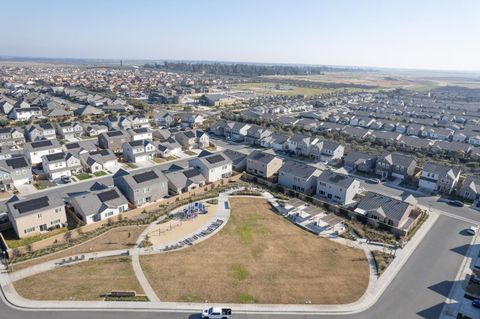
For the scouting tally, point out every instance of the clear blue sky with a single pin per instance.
(430, 34)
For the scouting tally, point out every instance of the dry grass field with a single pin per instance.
(259, 257)
(83, 281)
(117, 238)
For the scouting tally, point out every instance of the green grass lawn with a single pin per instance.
(270, 88)
(188, 152)
(100, 173)
(13, 241)
(131, 165)
(83, 176)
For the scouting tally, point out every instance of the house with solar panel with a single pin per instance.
(113, 140)
(95, 161)
(213, 167)
(11, 136)
(40, 131)
(142, 133)
(14, 172)
(36, 214)
(99, 205)
(138, 151)
(184, 180)
(24, 113)
(142, 187)
(35, 150)
(61, 164)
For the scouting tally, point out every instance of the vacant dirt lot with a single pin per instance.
(84, 281)
(259, 258)
(117, 238)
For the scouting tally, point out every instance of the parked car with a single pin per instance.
(373, 181)
(476, 303)
(65, 179)
(216, 313)
(472, 230)
(456, 203)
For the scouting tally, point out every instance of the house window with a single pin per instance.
(54, 222)
(29, 230)
(107, 214)
(39, 215)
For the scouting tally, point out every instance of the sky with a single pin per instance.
(417, 34)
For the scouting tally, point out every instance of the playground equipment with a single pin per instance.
(193, 209)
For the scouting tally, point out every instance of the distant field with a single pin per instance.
(84, 281)
(270, 88)
(259, 257)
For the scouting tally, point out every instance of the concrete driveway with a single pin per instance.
(26, 189)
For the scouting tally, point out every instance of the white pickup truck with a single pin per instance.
(216, 313)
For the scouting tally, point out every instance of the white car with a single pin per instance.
(216, 313)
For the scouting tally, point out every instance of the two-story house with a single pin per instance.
(213, 167)
(298, 176)
(395, 165)
(263, 164)
(35, 150)
(439, 178)
(138, 151)
(337, 187)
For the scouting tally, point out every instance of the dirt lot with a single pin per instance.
(259, 258)
(84, 281)
(117, 238)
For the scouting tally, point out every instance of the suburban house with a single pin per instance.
(357, 161)
(337, 187)
(37, 214)
(299, 177)
(99, 205)
(95, 129)
(387, 210)
(263, 164)
(164, 119)
(60, 164)
(68, 131)
(191, 120)
(184, 180)
(142, 187)
(40, 131)
(193, 139)
(439, 178)
(255, 133)
(301, 144)
(35, 150)
(470, 188)
(327, 151)
(239, 160)
(138, 151)
(95, 161)
(143, 133)
(14, 172)
(24, 113)
(238, 131)
(113, 140)
(277, 142)
(11, 136)
(169, 147)
(395, 165)
(213, 167)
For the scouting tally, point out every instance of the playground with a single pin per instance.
(182, 222)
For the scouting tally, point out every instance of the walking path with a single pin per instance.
(374, 291)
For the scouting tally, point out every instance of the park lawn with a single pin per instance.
(259, 257)
(269, 88)
(188, 152)
(13, 241)
(88, 280)
(83, 176)
(116, 238)
(100, 173)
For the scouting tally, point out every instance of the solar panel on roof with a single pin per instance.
(55, 157)
(108, 195)
(215, 159)
(32, 204)
(141, 130)
(143, 177)
(190, 173)
(41, 144)
(17, 162)
(72, 145)
(114, 133)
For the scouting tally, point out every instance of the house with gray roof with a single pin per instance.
(69, 130)
(14, 172)
(61, 164)
(451, 147)
(35, 150)
(11, 136)
(99, 205)
(298, 176)
(184, 180)
(470, 189)
(395, 165)
(213, 166)
(192, 139)
(239, 160)
(414, 143)
(263, 164)
(113, 140)
(387, 210)
(337, 187)
(439, 178)
(142, 187)
(255, 133)
(358, 161)
(168, 147)
(138, 151)
(40, 131)
(101, 160)
(36, 214)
